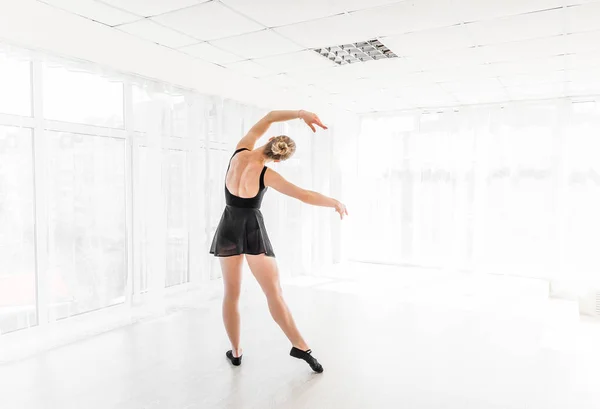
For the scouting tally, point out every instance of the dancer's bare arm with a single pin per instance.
(279, 183)
(259, 129)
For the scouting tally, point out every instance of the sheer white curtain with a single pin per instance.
(511, 189)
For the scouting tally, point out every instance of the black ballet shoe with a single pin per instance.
(235, 361)
(306, 356)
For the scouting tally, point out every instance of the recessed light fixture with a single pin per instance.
(356, 52)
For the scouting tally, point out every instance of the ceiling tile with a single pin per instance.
(336, 73)
(208, 21)
(210, 53)
(420, 94)
(477, 92)
(585, 17)
(473, 86)
(582, 42)
(94, 11)
(529, 66)
(340, 29)
(149, 8)
(281, 80)
(259, 44)
(303, 60)
(275, 13)
(454, 58)
(380, 104)
(250, 68)
(407, 16)
(580, 88)
(519, 50)
(537, 78)
(583, 75)
(476, 10)
(390, 68)
(149, 30)
(583, 61)
(535, 91)
(449, 74)
(429, 41)
(518, 28)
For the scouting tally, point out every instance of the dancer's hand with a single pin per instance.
(341, 209)
(311, 120)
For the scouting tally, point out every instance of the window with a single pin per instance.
(81, 97)
(176, 195)
(159, 111)
(17, 247)
(15, 86)
(86, 210)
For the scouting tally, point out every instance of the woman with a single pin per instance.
(242, 232)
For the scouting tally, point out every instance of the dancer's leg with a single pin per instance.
(265, 270)
(232, 280)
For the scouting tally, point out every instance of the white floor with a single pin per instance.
(387, 337)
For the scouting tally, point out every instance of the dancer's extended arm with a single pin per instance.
(259, 129)
(279, 183)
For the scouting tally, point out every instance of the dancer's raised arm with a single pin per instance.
(259, 129)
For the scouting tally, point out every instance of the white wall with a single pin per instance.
(37, 26)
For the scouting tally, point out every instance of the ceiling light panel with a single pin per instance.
(540, 47)
(430, 41)
(149, 8)
(259, 44)
(275, 13)
(210, 53)
(94, 11)
(208, 21)
(518, 28)
(359, 52)
(476, 10)
(407, 16)
(149, 30)
(303, 60)
(585, 17)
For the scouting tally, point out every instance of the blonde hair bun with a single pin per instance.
(280, 148)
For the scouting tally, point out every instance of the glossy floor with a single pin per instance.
(387, 339)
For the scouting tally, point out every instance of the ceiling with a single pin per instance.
(451, 52)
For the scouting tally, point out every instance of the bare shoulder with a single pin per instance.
(271, 176)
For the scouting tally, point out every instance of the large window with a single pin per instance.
(17, 245)
(86, 211)
(15, 85)
(177, 194)
(508, 190)
(82, 97)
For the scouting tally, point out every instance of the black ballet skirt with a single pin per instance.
(242, 228)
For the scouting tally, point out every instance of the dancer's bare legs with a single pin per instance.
(266, 273)
(232, 279)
